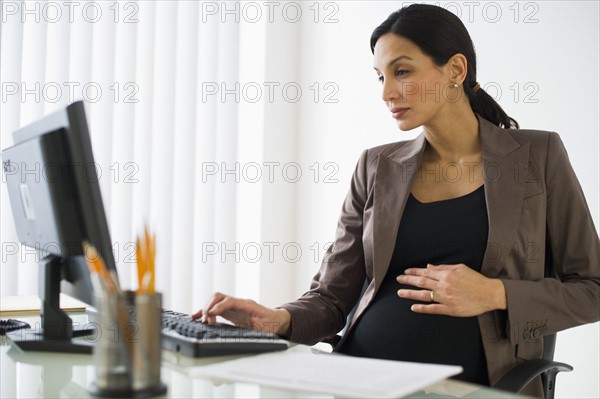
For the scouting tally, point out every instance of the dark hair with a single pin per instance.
(441, 34)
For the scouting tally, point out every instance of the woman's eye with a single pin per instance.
(398, 73)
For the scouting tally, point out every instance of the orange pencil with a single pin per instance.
(146, 252)
(141, 265)
(96, 265)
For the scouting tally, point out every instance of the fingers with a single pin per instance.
(417, 295)
(436, 308)
(207, 314)
(430, 279)
(244, 313)
(197, 315)
(427, 277)
(420, 281)
(239, 311)
(435, 272)
(228, 304)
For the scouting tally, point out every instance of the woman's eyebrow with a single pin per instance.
(389, 64)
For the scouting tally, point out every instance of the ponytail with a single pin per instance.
(483, 104)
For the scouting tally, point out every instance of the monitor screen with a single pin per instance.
(56, 202)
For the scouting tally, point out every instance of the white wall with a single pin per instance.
(556, 54)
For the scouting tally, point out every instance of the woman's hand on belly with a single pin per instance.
(456, 290)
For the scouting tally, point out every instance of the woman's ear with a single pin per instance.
(457, 68)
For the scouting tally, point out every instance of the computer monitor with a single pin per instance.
(56, 205)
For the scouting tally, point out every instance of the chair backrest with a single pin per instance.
(549, 345)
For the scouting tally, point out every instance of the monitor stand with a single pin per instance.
(56, 333)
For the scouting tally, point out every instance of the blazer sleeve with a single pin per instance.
(537, 308)
(321, 312)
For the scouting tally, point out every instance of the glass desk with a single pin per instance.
(39, 375)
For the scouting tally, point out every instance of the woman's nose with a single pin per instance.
(389, 91)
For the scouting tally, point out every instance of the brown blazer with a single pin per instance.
(538, 217)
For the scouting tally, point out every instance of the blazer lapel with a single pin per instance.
(504, 162)
(393, 181)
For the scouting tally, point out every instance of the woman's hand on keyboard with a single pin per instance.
(245, 313)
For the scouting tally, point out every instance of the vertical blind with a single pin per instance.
(145, 70)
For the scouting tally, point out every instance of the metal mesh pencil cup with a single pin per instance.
(127, 355)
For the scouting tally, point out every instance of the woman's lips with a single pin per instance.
(398, 112)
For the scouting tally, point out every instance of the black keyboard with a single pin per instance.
(12, 325)
(196, 339)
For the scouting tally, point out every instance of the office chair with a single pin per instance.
(517, 378)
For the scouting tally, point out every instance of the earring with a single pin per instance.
(455, 85)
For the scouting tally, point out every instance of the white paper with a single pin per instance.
(330, 373)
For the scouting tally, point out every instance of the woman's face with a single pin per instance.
(415, 90)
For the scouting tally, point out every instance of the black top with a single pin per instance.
(441, 232)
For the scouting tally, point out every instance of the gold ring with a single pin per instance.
(431, 296)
